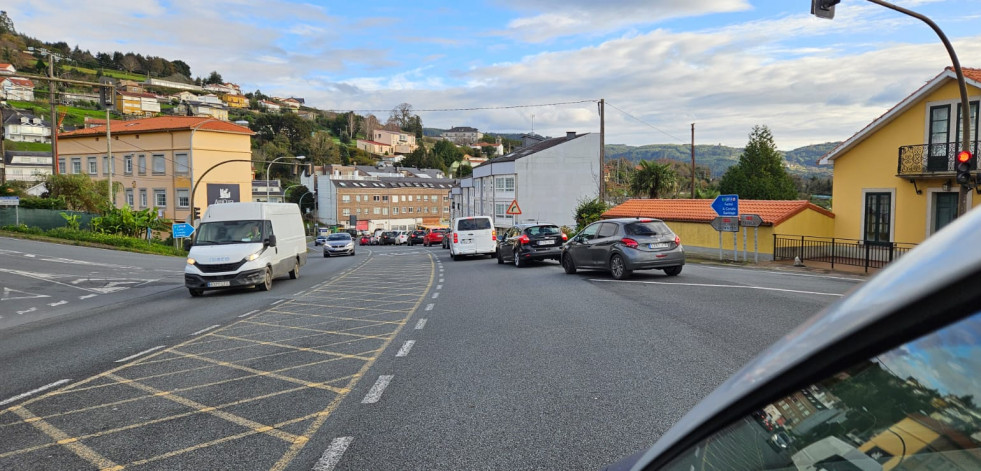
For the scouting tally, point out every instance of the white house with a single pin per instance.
(462, 135)
(545, 181)
(16, 88)
(27, 166)
(7, 69)
(24, 127)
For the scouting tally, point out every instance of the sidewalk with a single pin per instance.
(788, 265)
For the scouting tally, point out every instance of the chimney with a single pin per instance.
(570, 135)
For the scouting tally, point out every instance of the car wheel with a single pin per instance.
(568, 264)
(517, 259)
(500, 258)
(672, 271)
(295, 272)
(618, 268)
(196, 292)
(266, 284)
(456, 258)
(352, 253)
(325, 254)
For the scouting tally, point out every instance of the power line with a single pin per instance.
(480, 108)
(650, 125)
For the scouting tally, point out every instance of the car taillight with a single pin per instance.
(677, 240)
(629, 242)
(524, 239)
(565, 237)
(454, 238)
(493, 236)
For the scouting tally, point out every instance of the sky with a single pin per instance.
(517, 66)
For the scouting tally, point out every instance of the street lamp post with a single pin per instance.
(269, 167)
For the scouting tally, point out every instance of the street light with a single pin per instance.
(269, 167)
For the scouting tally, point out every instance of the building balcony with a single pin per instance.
(932, 160)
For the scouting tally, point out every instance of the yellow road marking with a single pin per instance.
(61, 438)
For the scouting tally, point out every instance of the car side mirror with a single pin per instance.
(271, 241)
(187, 245)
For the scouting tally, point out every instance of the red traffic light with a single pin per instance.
(963, 156)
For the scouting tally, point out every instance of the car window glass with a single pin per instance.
(590, 231)
(914, 407)
(548, 230)
(473, 224)
(650, 228)
(339, 236)
(607, 229)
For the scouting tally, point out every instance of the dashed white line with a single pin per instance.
(87, 296)
(439, 286)
(34, 391)
(376, 391)
(144, 352)
(26, 311)
(435, 295)
(205, 330)
(333, 454)
(59, 303)
(277, 302)
(405, 348)
(420, 324)
(429, 307)
(440, 280)
(249, 313)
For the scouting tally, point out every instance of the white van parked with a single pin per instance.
(474, 235)
(245, 244)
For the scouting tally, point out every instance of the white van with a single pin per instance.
(245, 244)
(472, 235)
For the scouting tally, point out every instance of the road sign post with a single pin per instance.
(727, 224)
(754, 221)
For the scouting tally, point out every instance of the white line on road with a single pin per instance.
(435, 295)
(59, 303)
(249, 313)
(420, 324)
(277, 302)
(782, 273)
(333, 454)
(439, 286)
(34, 391)
(376, 391)
(87, 296)
(26, 311)
(440, 280)
(405, 348)
(429, 307)
(205, 330)
(144, 352)
(707, 285)
(30, 255)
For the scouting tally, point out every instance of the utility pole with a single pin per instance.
(112, 194)
(54, 113)
(602, 150)
(692, 160)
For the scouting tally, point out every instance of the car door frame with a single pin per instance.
(578, 247)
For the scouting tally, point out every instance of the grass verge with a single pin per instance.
(61, 235)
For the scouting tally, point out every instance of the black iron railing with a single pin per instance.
(854, 252)
(926, 159)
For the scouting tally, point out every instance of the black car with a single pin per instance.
(417, 237)
(389, 238)
(526, 242)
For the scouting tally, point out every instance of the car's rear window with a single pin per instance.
(650, 228)
(473, 224)
(543, 230)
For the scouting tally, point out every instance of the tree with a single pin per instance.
(760, 173)
(130, 63)
(464, 170)
(588, 211)
(6, 24)
(402, 115)
(182, 68)
(653, 179)
(79, 192)
(214, 78)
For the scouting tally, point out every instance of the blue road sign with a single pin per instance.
(726, 205)
(182, 230)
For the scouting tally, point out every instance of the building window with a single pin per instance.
(425, 209)
(376, 198)
(395, 210)
(973, 121)
(61, 165)
(160, 198)
(105, 166)
(376, 210)
(504, 183)
(384, 197)
(878, 216)
(384, 211)
(395, 198)
(425, 197)
(501, 210)
(181, 166)
(410, 209)
(129, 197)
(183, 198)
(93, 166)
(446, 209)
(159, 164)
(128, 165)
(76, 165)
(345, 212)
(143, 203)
(410, 198)
(359, 211)
(435, 209)
(346, 198)
(141, 164)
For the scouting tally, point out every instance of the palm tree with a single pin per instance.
(652, 179)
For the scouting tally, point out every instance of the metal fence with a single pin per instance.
(42, 218)
(854, 252)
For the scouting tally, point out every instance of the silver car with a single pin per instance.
(340, 243)
(621, 246)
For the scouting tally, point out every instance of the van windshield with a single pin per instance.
(229, 232)
(473, 224)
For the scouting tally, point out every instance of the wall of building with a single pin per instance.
(551, 183)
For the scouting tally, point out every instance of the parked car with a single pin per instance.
(319, 240)
(340, 243)
(376, 237)
(433, 236)
(387, 238)
(621, 246)
(365, 239)
(473, 235)
(887, 377)
(526, 242)
(401, 237)
(416, 237)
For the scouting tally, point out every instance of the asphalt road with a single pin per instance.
(397, 358)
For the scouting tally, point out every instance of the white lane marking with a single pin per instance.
(59, 303)
(420, 324)
(405, 348)
(376, 391)
(29, 310)
(435, 295)
(332, 455)
(277, 302)
(34, 391)
(440, 280)
(87, 296)
(782, 273)
(249, 313)
(708, 285)
(439, 286)
(7, 297)
(429, 307)
(205, 330)
(30, 255)
(144, 352)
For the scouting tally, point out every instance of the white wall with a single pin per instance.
(551, 183)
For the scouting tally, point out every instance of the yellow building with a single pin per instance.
(137, 103)
(160, 160)
(894, 181)
(235, 101)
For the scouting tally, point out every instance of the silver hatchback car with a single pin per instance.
(624, 245)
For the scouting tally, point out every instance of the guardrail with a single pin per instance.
(852, 252)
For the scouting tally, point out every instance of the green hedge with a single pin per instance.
(82, 237)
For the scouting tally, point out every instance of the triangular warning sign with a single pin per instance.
(514, 209)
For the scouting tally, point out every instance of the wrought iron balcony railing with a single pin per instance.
(932, 159)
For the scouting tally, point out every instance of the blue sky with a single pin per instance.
(725, 65)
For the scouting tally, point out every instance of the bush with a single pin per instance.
(588, 212)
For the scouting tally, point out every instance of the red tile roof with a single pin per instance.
(973, 74)
(23, 82)
(162, 124)
(772, 212)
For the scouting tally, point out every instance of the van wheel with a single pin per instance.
(266, 284)
(456, 258)
(196, 292)
(672, 271)
(295, 273)
(618, 268)
(568, 264)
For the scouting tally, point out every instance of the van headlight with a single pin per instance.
(253, 256)
(191, 261)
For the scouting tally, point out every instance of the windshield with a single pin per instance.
(339, 236)
(229, 232)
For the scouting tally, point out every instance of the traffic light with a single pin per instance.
(197, 213)
(824, 8)
(963, 167)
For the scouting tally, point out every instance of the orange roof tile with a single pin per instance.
(973, 74)
(772, 212)
(162, 124)
(23, 82)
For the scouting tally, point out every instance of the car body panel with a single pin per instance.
(596, 244)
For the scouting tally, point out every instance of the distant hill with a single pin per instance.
(800, 161)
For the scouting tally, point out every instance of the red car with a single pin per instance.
(434, 236)
(365, 240)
